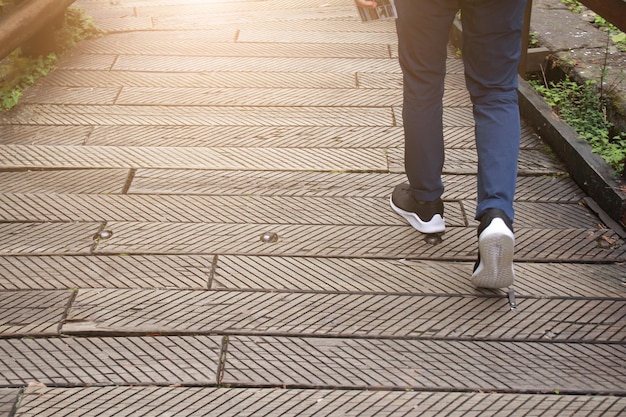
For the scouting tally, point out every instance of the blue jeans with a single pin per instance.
(491, 51)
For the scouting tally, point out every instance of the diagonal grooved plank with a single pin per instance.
(404, 276)
(204, 79)
(267, 209)
(297, 274)
(249, 136)
(124, 24)
(197, 44)
(88, 62)
(330, 9)
(455, 137)
(71, 95)
(546, 215)
(227, 402)
(254, 64)
(110, 361)
(47, 238)
(345, 315)
(259, 97)
(96, 181)
(224, 209)
(354, 241)
(32, 313)
(8, 400)
(345, 38)
(44, 135)
(59, 272)
(200, 158)
(80, 115)
(288, 97)
(434, 365)
(460, 161)
(320, 184)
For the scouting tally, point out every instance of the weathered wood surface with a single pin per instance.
(137, 181)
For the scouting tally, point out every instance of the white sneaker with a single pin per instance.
(496, 245)
(424, 216)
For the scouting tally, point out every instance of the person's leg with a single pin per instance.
(423, 27)
(491, 51)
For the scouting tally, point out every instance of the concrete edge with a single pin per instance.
(590, 172)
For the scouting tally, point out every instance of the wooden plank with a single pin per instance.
(613, 11)
(213, 209)
(93, 181)
(61, 272)
(261, 402)
(84, 115)
(32, 313)
(71, 95)
(8, 400)
(110, 361)
(459, 161)
(205, 79)
(317, 37)
(318, 184)
(254, 64)
(425, 364)
(267, 17)
(221, 42)
(397, 316)
(271, 273)
(256, 136)
(395, 242)
(47, 238)
(313, 159)
(44, 135)
(264, 209)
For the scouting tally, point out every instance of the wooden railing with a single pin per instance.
(613, 11)
(28, 19)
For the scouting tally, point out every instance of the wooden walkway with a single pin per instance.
(194, 220)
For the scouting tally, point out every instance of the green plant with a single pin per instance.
(78, 26)
(18, 72)
(580, 106)
(617, 36)
(573, 5)
(532, 39)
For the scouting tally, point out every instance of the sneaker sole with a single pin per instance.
(434, 225)
(496, 245)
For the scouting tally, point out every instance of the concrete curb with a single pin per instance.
(590, 172)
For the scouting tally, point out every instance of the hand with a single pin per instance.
(366, 3)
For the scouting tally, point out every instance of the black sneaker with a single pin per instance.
(425, 216)
(496, 242)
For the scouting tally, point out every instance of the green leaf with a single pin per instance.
(619, 38)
